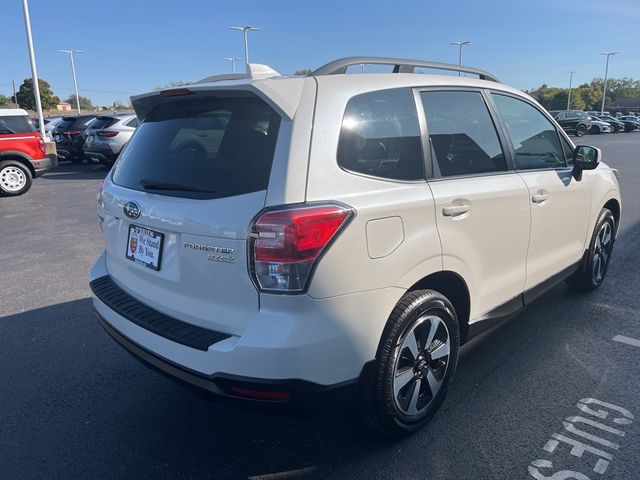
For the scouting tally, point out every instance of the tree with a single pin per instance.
(85, 103)
(27, 99)
(304, 72)
(4, 101)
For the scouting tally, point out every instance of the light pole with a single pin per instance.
(34, 71)
(460, 46)
(233, 63)
(606, 73)
(571, 72)
(73, 70)
(245, 30)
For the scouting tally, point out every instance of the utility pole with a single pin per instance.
(15, 97)
(245, 30)
(73, 70)
(570, 80)
(233, 61)
(606, 72)
(460, 46)
(34, 71)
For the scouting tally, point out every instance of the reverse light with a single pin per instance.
(286, 244)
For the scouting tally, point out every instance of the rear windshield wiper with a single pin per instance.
(148, 184)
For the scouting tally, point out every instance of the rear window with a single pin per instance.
(202, 147)
(15, 124)
(102, 122)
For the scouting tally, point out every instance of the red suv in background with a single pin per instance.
(22, 152)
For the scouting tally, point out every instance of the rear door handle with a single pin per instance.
(540, 197)
(455, 210)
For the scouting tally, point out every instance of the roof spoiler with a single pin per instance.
(255, 71)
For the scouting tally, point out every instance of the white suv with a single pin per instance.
(311, 242)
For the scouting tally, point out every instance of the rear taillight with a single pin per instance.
(106, 133)
(41, 145)
(286, 244)
(73, 132)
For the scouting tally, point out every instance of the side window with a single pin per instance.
(462, 135)
(132, 123)
(535, 140)
(568, 151)
(380, 136)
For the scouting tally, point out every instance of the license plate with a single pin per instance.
(144, 246)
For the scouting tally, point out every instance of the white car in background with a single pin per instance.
(106, 136)
(307, 242)
(600, 126)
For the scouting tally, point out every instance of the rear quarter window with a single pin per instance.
(380, 136)
(15, 124)
(202, 147)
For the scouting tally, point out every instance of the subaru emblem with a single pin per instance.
(131, 209)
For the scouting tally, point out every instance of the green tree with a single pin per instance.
(85, 103)
(27, 99)
(4, 101)
(304, 72)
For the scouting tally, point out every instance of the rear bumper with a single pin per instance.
(41, 165)
(289, 397)
(104, 155)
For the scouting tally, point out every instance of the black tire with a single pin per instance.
(581, 130)
(595, 263)
(414, 317)
(15, 178)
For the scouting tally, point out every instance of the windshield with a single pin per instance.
(202, 147)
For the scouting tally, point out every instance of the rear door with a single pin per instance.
(482, 208)
(180, 200)
(560, 204)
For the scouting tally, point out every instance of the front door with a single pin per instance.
(560, 204)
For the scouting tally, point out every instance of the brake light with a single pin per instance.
(286, 244)
(41, 145)
(106, 133)
(176, 92)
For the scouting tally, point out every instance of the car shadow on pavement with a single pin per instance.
(75, 405)
(77, 171)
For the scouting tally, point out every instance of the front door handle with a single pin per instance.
(455, 210)
(540, 197)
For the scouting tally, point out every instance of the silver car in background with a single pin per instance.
(106, 136)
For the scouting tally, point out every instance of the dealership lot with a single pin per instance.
(74, 405)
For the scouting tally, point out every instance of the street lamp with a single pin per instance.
(571, 72)
(460, 46)
(606, 72)
(245, 30)
(34, 72)
(73, 70)
(233, 61)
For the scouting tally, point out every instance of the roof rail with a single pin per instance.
(400, 65)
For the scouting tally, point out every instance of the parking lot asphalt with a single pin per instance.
(74, 405)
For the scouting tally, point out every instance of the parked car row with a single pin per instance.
(579, 123)
(96, 138)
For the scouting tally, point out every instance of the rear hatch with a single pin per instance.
(178, 204)
(70, 132)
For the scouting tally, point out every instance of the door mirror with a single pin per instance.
(585, 157)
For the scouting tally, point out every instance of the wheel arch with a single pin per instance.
(18, 157)
(455, 288)
(613, 205)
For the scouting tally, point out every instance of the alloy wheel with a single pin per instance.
(602, 251)
(422, 359)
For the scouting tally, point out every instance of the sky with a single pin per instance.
(133, 46)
